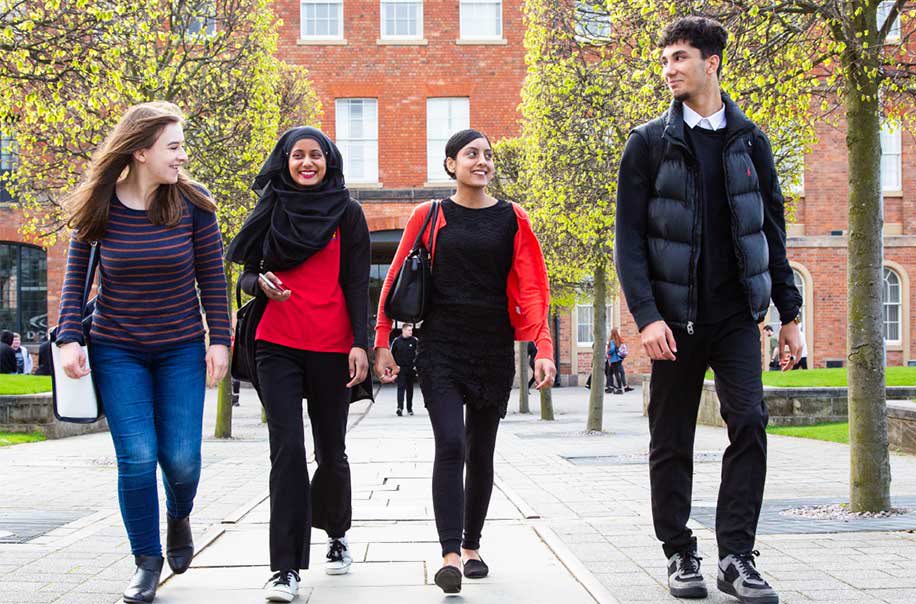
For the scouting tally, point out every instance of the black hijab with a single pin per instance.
(289, 222)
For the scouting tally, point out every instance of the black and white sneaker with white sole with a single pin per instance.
(738, 577)
(283, 586)
(684, 578)
(338, 557)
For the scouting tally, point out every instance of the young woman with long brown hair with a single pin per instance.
(159, 242)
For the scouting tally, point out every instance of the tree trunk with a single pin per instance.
(869, 471)
(224, 409)
(547, 404)
(523, 377)
(599, 341)
(224, 392)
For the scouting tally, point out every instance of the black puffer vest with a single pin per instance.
(675, 221)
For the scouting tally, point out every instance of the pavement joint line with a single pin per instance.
(571, 562)
(243, 510)
(527, 512)
(209, 537)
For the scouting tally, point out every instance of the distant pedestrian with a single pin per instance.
(404, 350)
(44, 359)
(616, 353)
(803, 358)
(489, 288)
(23, 358)
(532, 356)
(7, 355)
(160, 262)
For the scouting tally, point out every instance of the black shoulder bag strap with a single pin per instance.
(432, 217)
(94, 252)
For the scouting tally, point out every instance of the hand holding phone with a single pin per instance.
(271, 286)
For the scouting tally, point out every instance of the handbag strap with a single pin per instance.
(431, 217)
(90, 273)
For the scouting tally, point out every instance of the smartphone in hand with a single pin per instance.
(270, 284)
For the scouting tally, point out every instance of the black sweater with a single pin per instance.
(354, 272)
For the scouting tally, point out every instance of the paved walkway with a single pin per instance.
(576, 506)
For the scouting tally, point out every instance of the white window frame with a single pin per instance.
(340, 20)
(468, 5)
(435, 146)
(586, 311)
(369, 140)
(893, 34)
(892, 281)
(891, 152)
(382, 20)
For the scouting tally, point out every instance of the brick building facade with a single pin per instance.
(396, 77)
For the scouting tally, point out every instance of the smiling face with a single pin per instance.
(686, 71)
(307, 163)
(473, 166)
(163, 161)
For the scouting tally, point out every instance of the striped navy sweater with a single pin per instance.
(147, 295)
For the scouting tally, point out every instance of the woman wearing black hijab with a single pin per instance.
(311, 243)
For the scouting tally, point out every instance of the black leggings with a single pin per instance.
(461, 440)
(285, 376)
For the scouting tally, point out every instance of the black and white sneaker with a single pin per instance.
(738, 577)
(283, 586)
(684, 578)
(339, 558)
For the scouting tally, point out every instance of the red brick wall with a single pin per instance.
(10, 222)
(403, 77)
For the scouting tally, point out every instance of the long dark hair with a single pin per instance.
(138, 129)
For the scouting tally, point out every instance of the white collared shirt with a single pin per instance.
(716, 121)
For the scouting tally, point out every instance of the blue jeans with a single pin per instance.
(154, 401)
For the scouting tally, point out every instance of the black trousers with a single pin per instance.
(405, 386)
(286, 375)
(732, 349)
(616, 375)
(465, 442)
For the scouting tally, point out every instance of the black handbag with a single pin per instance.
(244, 365)
(77, 400)
(408, 297)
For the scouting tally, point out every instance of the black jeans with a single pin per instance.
(286, 375)
(464, 445)
(732, 349)
(617, 375)
(405, 386)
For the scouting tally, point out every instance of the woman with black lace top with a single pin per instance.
(489, 288)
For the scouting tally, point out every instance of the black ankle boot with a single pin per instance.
(179, 544)
(142, 588)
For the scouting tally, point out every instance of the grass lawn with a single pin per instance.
(24, 384)
(15, 438)
(894, 376)
(833, 432)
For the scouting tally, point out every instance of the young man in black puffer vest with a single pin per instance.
(700, 250)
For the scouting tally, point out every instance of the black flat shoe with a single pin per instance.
(449, 579)
(476, 569)
(179, 549)
(143, 584)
